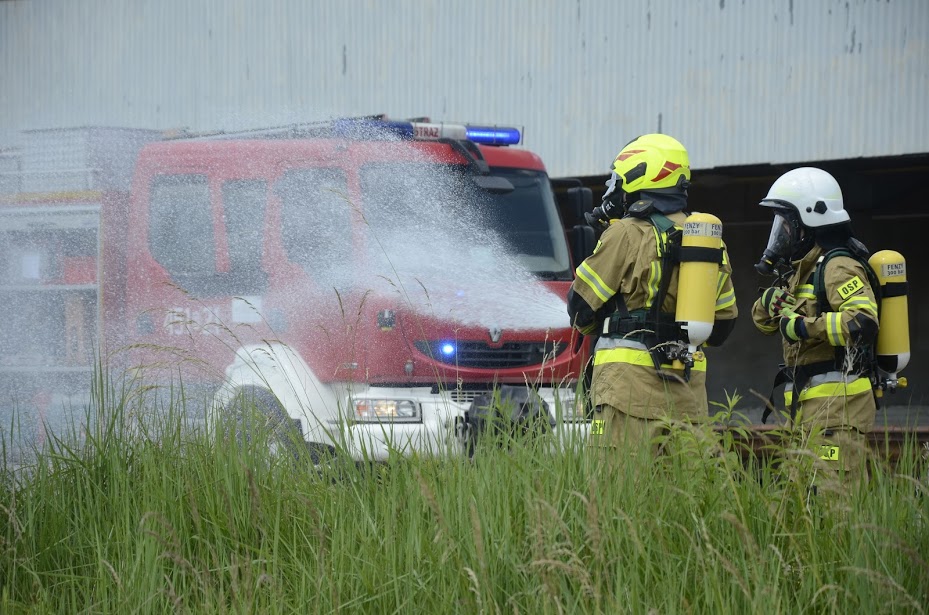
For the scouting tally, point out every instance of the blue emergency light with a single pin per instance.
(448, 349)
(492, 135)
(427, 131)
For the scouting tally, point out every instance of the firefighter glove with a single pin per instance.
(792, 326)
(774, 300)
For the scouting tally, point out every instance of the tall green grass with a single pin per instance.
(145, 515)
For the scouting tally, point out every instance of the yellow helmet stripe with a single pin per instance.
(635, 356)
(586, 274)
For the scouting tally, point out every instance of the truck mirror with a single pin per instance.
(493, 183)
(573, 203)
(581, 238)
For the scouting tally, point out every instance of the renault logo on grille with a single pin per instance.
(495, 334)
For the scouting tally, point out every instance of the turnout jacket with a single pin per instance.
(627, 260)
(841, 396)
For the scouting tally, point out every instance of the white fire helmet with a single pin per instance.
(813, 193)
(805, 198)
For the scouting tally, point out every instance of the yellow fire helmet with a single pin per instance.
(653, 162)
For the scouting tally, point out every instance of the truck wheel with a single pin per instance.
(257, 416)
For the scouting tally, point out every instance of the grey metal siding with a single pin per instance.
(738, 81)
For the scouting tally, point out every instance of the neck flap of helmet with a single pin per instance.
(665, 200)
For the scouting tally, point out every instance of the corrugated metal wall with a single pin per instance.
(738, 81)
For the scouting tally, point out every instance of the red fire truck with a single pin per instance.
(371, 284)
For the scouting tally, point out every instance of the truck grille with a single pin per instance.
(482, 355)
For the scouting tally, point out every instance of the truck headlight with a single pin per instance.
(368, 410)
(569, 406)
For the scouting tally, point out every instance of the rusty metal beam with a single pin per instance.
(887, 442)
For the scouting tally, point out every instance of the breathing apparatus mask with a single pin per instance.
(786, 242)
(612, 206)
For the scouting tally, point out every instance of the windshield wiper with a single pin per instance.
(553, 275)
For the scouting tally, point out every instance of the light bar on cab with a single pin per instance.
(492, 135)
(431, 131)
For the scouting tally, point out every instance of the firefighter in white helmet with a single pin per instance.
(826, 314)
(626, 294)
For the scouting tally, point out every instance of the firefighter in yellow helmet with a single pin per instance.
(826, 314)
(626, 294)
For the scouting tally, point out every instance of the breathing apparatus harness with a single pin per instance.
(657, 330)
(865, 360)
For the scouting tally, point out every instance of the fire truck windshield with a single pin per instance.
(525, 220)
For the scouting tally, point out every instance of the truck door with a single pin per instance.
(312, 278)
(205, 234)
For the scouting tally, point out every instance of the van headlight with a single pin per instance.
(569, 406)
(374, 410)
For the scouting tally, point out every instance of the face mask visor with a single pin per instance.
(784, 237)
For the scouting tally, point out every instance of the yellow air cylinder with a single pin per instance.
(893, 338)
(696, 286)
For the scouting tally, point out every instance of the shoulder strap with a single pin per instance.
(644, 210)
(819, 278)
(661, 222)
(669, 246)
(822, 299)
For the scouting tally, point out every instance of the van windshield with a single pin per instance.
(401, 198)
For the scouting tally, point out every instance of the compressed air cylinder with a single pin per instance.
(893, 338)
(696, 286)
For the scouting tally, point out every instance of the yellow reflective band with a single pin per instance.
(721, 281)
(805, 291)
(590, 329)
(596, 428)
(654, 277)
(766, 328)
(725, 254)
(725, 300)
(590, 277)
(834, 328)
(829, 452)
(861, 302)
(635, 356)
(850, 288)
(658, 238)
(831, 390)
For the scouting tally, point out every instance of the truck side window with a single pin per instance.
(316, 221)
(397, 193)
(244, 214)
(400, 197)
(181, 228)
